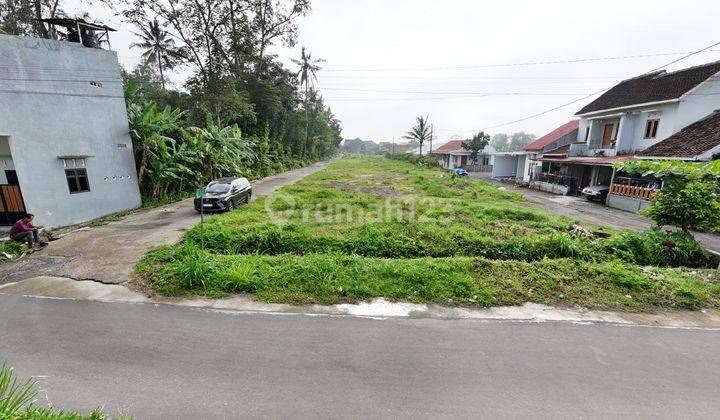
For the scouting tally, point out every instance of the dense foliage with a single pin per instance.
(252, 115)
(689, 198)
(369, 227)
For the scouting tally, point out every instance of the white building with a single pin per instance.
(523, 164)
(65, 150)
(632, 116)
(453, 155)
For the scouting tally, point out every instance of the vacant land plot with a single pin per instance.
(370, 227)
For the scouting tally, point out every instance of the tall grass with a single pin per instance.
(17, 398)
(371, 227)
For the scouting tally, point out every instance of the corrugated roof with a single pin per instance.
(652, 87)
(562, 131)
(691, 141)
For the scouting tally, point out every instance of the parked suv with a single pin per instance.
(225, 194)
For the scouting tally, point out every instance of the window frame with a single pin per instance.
(652, 126)
(76, 174)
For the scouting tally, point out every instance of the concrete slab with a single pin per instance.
(64, 288)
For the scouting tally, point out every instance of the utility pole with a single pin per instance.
(432, 134)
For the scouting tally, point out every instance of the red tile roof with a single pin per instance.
(562, 131)
(450, 147)
(691, 141)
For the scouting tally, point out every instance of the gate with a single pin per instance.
(12, 207)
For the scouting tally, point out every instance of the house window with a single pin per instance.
(77, 180)
(651, 128)
(587, 133)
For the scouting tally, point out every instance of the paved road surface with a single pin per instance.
(108, 253)
(173, 362)
(581, 209)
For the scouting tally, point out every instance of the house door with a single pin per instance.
(607, 135)
(586, 176)
(463, 161)
(12, 207)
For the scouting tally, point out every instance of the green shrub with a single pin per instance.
(687, 203)
(427, 161)
(655, 247)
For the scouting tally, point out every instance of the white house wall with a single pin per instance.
(65, 99)
(505, 166)
(699, 103)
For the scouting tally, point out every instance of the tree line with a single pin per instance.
(241, 111)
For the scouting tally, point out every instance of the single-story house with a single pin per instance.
(65, 149)
(523, 164)
(453, 155)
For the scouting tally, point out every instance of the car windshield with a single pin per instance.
(218, 188)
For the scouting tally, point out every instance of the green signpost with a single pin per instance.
(200, 193)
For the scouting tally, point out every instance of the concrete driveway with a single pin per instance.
(107, 254)
(580, 209)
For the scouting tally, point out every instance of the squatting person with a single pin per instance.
(24, 231)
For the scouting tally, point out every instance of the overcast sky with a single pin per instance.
(391, 60)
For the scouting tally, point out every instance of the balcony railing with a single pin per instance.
(639, 188)
(583, 150)
(647, 194)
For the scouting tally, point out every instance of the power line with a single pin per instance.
(456, 93)
(599, 91)
(530, 63)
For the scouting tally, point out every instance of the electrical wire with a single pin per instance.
(595, 93)
(530, 63)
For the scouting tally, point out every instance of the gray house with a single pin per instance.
(65, 150)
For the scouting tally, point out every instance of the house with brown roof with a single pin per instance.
(632, 119)
(700, 141)
(523, 164)
(453, 155)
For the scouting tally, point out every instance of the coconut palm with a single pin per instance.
(159, 48)
(307, 76)
(420, 132)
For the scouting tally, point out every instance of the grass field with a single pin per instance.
(371, 227)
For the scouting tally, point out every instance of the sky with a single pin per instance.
(469, 64)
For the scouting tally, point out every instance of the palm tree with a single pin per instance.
(420, 132)
(307, 76)
(159, 48)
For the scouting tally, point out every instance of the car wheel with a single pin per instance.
(247, 198)
(231, 206)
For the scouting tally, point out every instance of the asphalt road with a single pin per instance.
(157, 361)
(107, 254)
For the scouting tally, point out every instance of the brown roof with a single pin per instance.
(652, 87)
(562, 131)
(450, 147)
(691, 141)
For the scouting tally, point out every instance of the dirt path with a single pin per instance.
(590, 212)
(107, 254)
